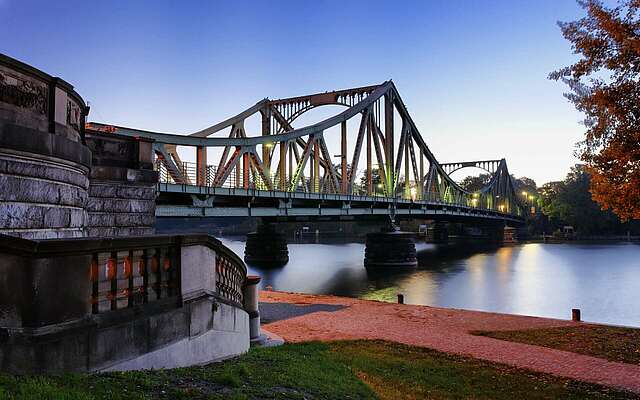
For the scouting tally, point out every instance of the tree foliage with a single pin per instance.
(569, 202)
(475, 183)
(605, 86)
(376, 180)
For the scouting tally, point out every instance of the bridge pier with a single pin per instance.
(438, 233)
(266, 247)
(390, 248)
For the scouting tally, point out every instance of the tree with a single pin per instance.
(525, 183)
(605, 86)
(376, 181)
(475, 183)
(569, 203)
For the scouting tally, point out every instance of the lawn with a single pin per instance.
(339, 370)
(609, 342)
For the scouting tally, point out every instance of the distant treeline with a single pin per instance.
(562, 203)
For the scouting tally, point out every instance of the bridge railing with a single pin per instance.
(235, 180)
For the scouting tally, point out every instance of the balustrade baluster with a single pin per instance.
(95, 280)
(128, 269)
(168, 267)
(112, 276)
(156, 269)
(144, 272)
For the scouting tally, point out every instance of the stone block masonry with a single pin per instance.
(116, 209)
(44, 164)
(122, 189)
(58, 179)
(42, 196)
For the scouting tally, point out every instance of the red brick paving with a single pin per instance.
(446, 330)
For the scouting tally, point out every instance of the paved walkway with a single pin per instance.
(440, 329)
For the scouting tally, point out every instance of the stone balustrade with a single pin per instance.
(92, 304)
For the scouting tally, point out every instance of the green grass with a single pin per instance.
(609, 342)
(339, 370)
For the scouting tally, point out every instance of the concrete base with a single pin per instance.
(390, 250)
(267, 339)
(213, 345)
(266, 247)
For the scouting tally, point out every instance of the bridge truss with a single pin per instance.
(397, 166)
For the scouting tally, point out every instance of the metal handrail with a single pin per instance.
(479, 200)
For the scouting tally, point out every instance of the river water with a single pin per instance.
(546, 280)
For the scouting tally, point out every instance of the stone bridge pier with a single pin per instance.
(266, 247)
(390, 248)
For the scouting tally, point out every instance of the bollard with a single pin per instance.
(575, 314)
(400, 298)
(250, 294)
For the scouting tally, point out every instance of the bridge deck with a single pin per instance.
(181, 200)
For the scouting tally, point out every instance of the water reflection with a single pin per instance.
(532, 279)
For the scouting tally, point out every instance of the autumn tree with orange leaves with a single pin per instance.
(605, 86)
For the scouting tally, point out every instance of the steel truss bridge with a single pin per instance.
(287, 171)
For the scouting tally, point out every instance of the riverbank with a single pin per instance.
(365, 370)
(301, 318)
(446, 359)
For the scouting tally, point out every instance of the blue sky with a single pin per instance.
(472, 73)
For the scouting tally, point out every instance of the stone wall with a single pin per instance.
(122, 189)
(45, 197)
(118, 209)
(44, 163)
(56, 179)
(36, 100)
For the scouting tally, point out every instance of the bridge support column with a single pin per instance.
(201, 166)
(438, 233)
(266, 247)
(390, 248)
